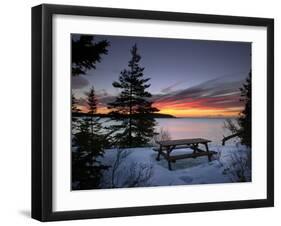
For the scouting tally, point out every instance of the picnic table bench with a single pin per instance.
(167, 146)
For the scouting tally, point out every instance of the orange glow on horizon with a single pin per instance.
(203, 107)
(201, 112)
(220, 107)
(103, 110)
(100, 110)
(194, 112)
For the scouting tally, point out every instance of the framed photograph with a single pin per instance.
(147, 112)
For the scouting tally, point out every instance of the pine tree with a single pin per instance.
(86, 169)
(132, 108)
(92, 101)
(85, 53)
(74, 107)
(243, 126)
(92, 110)
(245, 117)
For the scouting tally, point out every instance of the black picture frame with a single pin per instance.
(42, 111)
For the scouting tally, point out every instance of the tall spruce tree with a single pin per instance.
(132, 108)
(92, 110)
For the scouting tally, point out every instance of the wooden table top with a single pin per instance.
(183, 142)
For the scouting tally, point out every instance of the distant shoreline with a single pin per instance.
(205, 117)
(154, 115)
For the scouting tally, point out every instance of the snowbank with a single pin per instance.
(137, 167)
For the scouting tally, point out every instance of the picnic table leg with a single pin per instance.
(169, 149)
(159, 153)
(209, 154)
(195, 148)
(169, 162)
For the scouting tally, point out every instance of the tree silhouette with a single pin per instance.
(86, 168)
(92, 101)
(74, 107)
(92, 110)
(132, 108)
(245, 117)
(243, 126)
(90, 143)
(86, 53)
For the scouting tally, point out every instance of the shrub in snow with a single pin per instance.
(239, 166)
(124, 173)
(163, 134)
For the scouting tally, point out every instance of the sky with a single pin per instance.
(189, 78)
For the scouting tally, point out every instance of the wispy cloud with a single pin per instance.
(171, 87)
(212, 94)
(216, 97)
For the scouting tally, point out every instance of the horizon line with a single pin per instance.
(179, 117)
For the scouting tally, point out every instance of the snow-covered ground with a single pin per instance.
(137, 167)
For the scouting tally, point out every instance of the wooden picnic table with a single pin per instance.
(167, 146)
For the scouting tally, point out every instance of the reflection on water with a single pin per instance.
(184, 128)
(180, 128)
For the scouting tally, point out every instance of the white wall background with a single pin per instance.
(15, 102)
